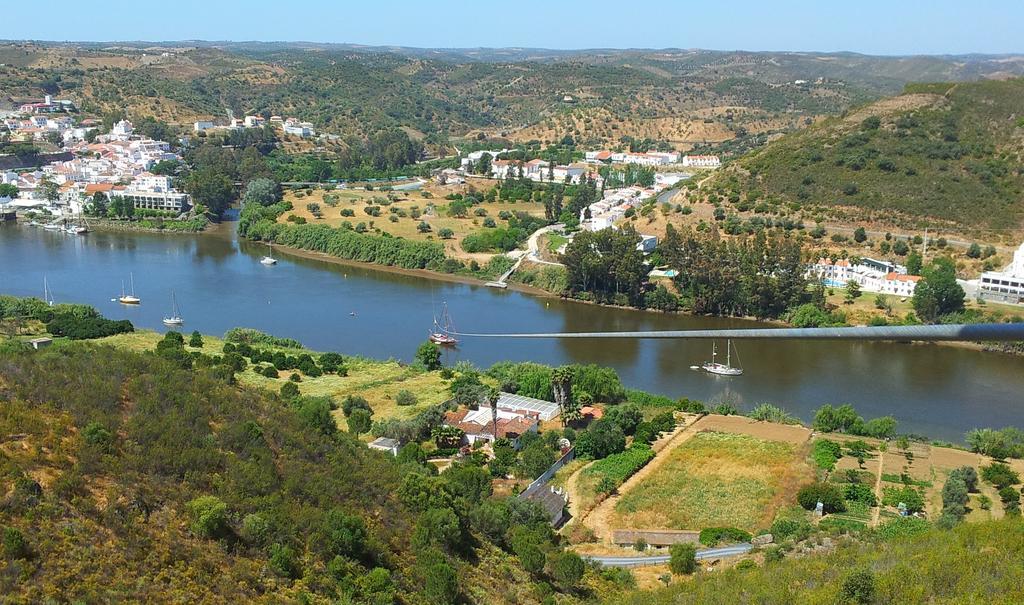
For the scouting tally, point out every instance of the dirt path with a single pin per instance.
(572, 493)
(878, 489)
(597, 519)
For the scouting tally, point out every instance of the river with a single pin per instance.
(939, 391)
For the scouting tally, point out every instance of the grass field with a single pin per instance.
(377, 381)
(716, 479)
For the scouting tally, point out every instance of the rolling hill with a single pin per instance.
(945, 154)
(126, 478)
(687, 97)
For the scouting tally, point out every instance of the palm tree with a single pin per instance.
(492, 400)
(561, 387)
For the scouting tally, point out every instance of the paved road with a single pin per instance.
(709, 553)
(532, 245)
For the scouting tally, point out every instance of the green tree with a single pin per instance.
(210, 188)
(14, 543)
(567, 567)
(208, 517)
(914, 263)
(359, 422)
(682, 558)
(938, 293)
(442, 584)
(859, 587)
(195, 340)
(261, 191)
(344, 534)
(860, 235)
(852, 292)
(8, 190)
(429, 356)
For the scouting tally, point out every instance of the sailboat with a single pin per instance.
(726, 369)
(129, 299)
(47, 295)
(76, 227)
(442, 332)
(175, 317)
(269, 260)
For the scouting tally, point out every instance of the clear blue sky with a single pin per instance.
(867, 26)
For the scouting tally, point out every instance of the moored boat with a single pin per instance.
(726, 369)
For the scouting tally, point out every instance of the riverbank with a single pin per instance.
(425, 273)
(149, 226)
(1004, 348)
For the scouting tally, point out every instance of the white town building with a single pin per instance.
(701, 161)
(1007, 285)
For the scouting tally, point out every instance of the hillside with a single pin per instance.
(937, 155)
(126, 478)
(686, 97)
(968, 564)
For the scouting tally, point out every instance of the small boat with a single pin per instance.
(442, 333)
(47, 294)
(269, 259)
(129, 299)
(175, 318)
(56, 226)
(726, 369)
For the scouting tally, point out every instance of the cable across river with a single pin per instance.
(953, 332)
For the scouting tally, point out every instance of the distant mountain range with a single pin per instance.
(350, 89)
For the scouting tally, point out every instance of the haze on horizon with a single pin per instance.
(941, 27)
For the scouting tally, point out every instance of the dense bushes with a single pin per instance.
(827, 493)
(1000, 444)
(844, 419)
(80, 328)
(259, 223)
(713, 536)
(825, 453)
(616, 468)
(253, 337)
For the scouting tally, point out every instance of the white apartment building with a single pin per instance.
(702, 161)
(1007, 285)
(202, 125)
(122, 131)
(871, 275)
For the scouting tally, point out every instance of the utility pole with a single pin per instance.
(924, 250)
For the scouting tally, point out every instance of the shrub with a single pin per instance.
(999, 475)
(826, 493)
(405, 397)
(208, 517)
(682, 558)
(825, 453)
(798, 529)
(14, 543)
(859, 587)
(712, 536)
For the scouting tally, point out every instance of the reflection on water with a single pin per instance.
(219, 283)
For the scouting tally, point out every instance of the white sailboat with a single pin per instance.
(175, 318)
(47, 294)
(442, 333)
(269, 259)
(726, 369)
(129, 299)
